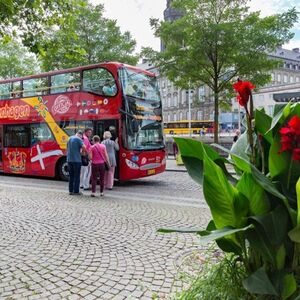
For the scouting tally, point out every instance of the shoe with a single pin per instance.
(93, 195)
(86, 189)
(101, 194)
(77, 194)
(110, 189)
(81, 187)
(71, 193)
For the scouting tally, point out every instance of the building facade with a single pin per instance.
(198, 104)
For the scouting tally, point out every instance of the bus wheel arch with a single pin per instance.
(62, 169)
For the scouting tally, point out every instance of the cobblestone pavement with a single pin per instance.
(57, 246)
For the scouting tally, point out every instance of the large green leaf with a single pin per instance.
(289, 286)
(280, 257)
(259, 283)
(194, 167)
(260, 178)
(207, 237)
(219, 195)
(194, 148)
(260, 243)
(228, 243)
(294, 234)
(278, 162)
(258, 200)
(182, 230)
(263, 123)
(274, 230)
(240, 146)
(282, 113)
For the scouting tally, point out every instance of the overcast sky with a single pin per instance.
(134, 15)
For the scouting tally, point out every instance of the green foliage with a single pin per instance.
(31, 19)
(86, 38)
(16, 60)
(257, 217)
(221, 280)
(216, 40)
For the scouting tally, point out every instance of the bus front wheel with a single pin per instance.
(62, 169)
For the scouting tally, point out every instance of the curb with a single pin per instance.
(175, 170)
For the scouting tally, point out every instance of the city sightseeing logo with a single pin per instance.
(61, 105)
(17, 161)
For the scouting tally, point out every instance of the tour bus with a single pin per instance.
(38, 113)
(182, 127)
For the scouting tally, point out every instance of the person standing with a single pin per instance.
(111, 148)
(99, 157)
(75, 147)
(85, 175)
(236, 136)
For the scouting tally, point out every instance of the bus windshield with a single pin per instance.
(142, 111)
(139, 85)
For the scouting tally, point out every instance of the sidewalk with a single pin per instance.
(172, 166)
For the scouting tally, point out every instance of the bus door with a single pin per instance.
(1, 147)
(113, 127)
(106, 125)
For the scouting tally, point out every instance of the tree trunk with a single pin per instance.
(216, 119)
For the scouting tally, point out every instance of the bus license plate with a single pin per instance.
(151, 172)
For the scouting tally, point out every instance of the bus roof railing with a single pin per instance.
(75, 69)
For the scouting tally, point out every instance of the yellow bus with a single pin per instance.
(182, 127)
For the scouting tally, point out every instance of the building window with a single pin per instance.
(261, 98)
(175, 96)
(180, 116)
(285, 78)
(273, 76)
(291, 79)
(297, 79)
(175, 117)
(278, 77)
(270, 110)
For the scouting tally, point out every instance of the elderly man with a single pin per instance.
(75, 147)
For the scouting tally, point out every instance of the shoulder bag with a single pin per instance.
(85, 160)
(105, 162)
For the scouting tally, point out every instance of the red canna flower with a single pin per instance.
(290, 137)
(244, 91)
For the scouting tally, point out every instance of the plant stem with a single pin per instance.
(290, 173)
(250, 135)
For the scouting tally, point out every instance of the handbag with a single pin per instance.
(85, 160)
(105, 162)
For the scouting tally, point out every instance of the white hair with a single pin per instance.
(106, 135)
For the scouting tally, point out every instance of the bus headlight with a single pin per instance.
(131, 164)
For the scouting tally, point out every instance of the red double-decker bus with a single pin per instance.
(38, 114)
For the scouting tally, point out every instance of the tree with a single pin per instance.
(16, 60)
(30, 19)
(88, 38)
(217, 40)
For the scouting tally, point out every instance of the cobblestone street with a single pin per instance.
(57, 246)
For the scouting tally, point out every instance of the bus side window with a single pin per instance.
(40, 132)
(16, 136)
(66, 82)
(98, 80)
(5, 91)
(35, 87)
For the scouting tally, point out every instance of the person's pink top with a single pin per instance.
(87, 143)
(98, 153)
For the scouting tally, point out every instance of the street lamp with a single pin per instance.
(189, 94)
